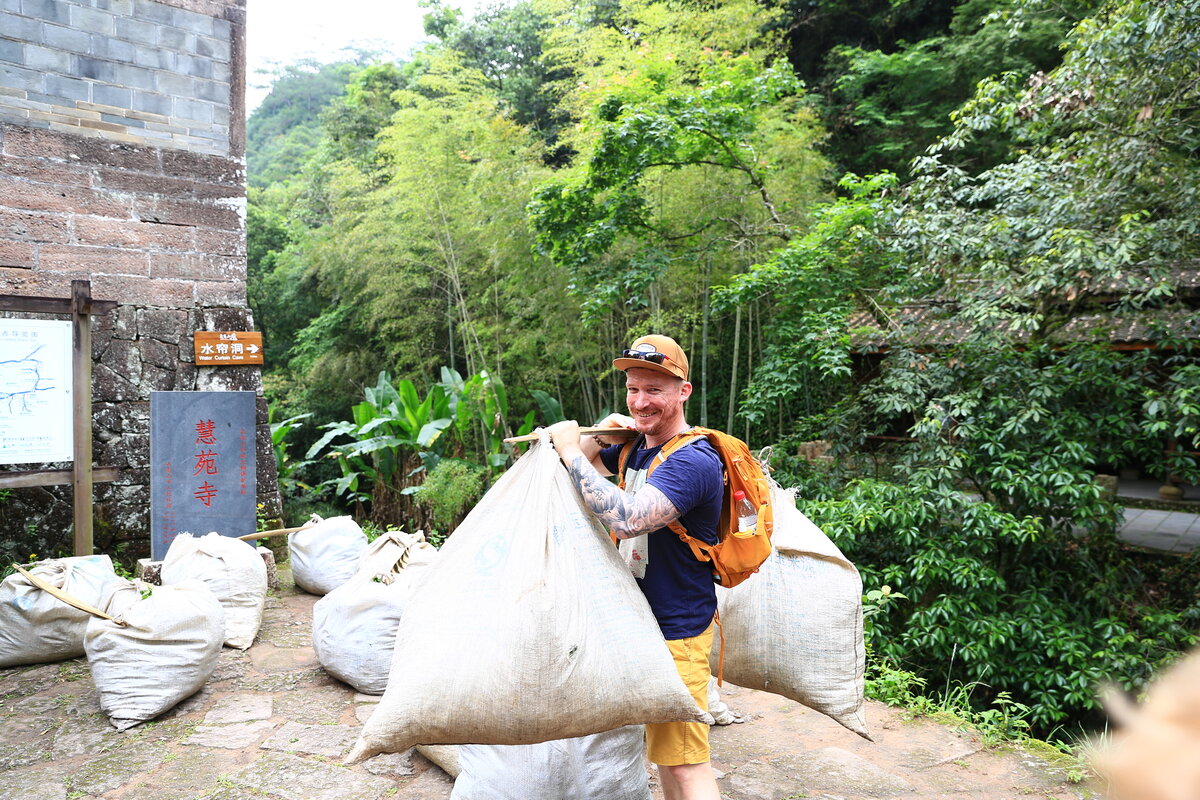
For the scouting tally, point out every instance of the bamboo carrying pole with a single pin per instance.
(63, 596)
(618, 432)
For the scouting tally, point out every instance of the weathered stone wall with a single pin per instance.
(122, 162)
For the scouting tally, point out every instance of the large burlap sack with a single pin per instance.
(36, 627)
(796, 627)
(527, 628)
(603, 766)
(354, 626)
(325, 554)
(160, 649)
(232, 569)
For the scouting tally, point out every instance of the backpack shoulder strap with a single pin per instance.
(623, 460)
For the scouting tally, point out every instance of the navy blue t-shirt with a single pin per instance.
(678, 586)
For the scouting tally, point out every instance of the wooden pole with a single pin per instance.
(81, 399)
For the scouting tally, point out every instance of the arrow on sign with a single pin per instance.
(253, 348)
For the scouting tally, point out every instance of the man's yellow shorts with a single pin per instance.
(673, 743)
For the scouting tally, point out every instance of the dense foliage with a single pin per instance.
(550, 179)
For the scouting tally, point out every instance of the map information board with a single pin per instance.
(35, 391)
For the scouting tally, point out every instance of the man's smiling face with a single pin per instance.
(655, 402)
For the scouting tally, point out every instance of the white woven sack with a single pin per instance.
(796, 628)
(164, 653)
(232, 569)
(35, 626)
(354, 626)
(603, 766)
(325, 555)
(527, 628)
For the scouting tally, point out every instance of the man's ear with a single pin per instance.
(685, 391)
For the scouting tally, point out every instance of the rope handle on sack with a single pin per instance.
(66, 598)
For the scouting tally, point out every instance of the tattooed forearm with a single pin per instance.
(625, 515)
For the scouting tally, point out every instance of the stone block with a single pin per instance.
(163, 325)
(26, 29)
(12, 51)
(152, 102)
(136, 30)
(14, 77)
(116, 50)
(223, 319)
(33, 226)
(268, 557)
(149, 571)
(17, 254)
(47, 60)
(111, 260)
(96, 21)
(47, 10)
(159, 353)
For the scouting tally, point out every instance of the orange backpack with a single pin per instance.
(736, 556)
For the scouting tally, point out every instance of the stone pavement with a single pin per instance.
(271, 725)
(1172, 529)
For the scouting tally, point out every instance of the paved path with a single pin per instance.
(272, 725)
(1170, 531)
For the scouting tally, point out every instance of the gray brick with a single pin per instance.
(201, 24)
(15, 77)
(221, 72)
(212, 91)
(196, 67)
(122, 8)
(22, 28)
(155, 12)
(222, 29)
(174, 84)
(113, 49)
(115, 96)
(193, 110)
(51, 10)
(92, 21)
(12, 52)
(176, 39)
(133, 77)
(9, 5)
(67, 39)
(216, 49)
(70, 88)
(221, 114)
(119, 120)
(136, 30)
(44, 58)
(152, 103)
(96, 69)
(154, 58)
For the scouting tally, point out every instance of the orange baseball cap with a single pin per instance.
(659, 353)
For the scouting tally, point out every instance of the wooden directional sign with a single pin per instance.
(227, 348)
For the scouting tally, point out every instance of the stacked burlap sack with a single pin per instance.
(232, 569)
(602, 766)
(148, 647)
(527, 628)
(325, 553)
(796, 627)
(35, 626)
(354, 626)
(155, 647)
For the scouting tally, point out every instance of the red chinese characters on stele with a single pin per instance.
(206, 461)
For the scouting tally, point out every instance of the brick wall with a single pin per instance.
(122, 162)
(158, 73)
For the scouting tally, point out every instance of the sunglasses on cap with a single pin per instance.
(646, 355)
